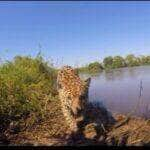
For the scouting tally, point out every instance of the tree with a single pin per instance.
(118, 62)
(95, 67)
(108, 62)
(148, 59)
(131, 60)
(143, 60)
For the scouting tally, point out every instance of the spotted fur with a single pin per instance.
(73, 94)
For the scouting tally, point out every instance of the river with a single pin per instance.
(119, 90)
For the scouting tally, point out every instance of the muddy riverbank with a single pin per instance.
(54, 132)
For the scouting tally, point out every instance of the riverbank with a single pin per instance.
(54, 132)
(116, 62)
(135, 132)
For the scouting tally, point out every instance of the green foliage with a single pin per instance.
(26, 84)
(131, 60)
(144, 60)
(83, 69)
(108, 62)
(115, 62)
(95, 67)
(148, 60)
(118, 62)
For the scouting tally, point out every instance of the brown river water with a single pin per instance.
(119, 90)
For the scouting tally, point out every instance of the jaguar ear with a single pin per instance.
(87, 82)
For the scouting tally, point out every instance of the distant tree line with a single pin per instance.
(115, 62)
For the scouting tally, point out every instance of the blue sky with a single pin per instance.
(74, 33)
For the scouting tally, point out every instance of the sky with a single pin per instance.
(74, 33)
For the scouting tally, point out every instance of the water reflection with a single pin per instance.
(133, 72)
(114, 74)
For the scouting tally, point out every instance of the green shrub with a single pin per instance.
(91, 68)
(95, 67)
(131, 60)
(107, 62)
(26, 84)
(118, 62)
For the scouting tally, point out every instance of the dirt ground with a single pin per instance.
(134, 132)
(54, 132)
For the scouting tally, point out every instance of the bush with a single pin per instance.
(26, 84)
(83, 69)
(91, 68)
(131, 60)
(118, 62)
(95, 67)
(107, 62)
